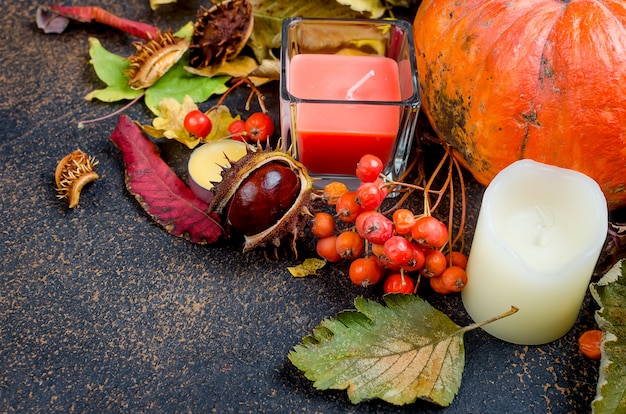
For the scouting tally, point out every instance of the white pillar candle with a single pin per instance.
(538, 237)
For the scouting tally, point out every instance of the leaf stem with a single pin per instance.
(490, 320)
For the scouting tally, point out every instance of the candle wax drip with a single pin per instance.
(357, 85)
(546, 220)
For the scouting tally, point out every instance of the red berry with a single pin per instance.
(349, 245)
(417, 260)
(237, 130)
(457, 259)
(347, 208)
(259, 127)
(377, 228)
(369, 196)
(403, 221)
(399, 283)
(322, 225)
(326, 248)
(398, 250)
(365, 271)
(436, 283)
(368, 168)
(430, 232)
(589, 343)
(454, 278)
(360, 221)
(197, 123)
(434, 263)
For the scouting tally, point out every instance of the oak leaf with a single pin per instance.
(161, 193)
(171, 123)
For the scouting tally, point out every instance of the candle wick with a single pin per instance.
(541, 238)
(544, 219)
(357, 85)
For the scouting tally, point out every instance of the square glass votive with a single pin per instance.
(348, 88)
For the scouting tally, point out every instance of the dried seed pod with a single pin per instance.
(154, 58)
(220, 33)
(265, 196)
(73, 172)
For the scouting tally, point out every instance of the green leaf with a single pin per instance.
(399, 352)
(610, 293)
(186, 31)
(269, 15)
(110, 68)
(178, 82)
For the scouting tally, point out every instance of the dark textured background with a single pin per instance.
(102, 310)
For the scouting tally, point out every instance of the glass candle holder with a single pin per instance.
(348, 88)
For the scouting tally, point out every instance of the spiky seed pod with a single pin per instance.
(220, 33)
(73, 172)
(265, 196)
(154, 58)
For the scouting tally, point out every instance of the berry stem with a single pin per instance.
(255, 91)
(457, 166)
(427, 209)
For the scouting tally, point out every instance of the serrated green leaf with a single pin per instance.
(610, 294)
(110, 68)
(178, 82)
(399, 352)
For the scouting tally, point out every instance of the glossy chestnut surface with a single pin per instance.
(263, 198)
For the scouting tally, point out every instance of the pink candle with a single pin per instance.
(332, 137)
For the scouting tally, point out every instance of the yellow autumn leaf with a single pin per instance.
(154, 4)
(171, 122)
(221, 118)
(307, 268)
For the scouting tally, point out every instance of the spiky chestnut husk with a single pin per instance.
(154, 58)
(220, 33)
(72, 173)
(289, 226)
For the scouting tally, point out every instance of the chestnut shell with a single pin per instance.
(276, 214)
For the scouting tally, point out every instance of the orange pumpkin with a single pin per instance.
(504, 80)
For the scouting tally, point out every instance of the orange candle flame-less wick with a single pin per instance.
(357, 85)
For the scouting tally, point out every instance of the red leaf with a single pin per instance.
(163, 195)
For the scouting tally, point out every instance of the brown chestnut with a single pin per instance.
(263, 198)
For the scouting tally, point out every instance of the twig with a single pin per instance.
(255, 91)
(81, 124)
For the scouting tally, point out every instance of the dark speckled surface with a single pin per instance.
(102, 311)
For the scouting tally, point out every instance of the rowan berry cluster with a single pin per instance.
(397, 250)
